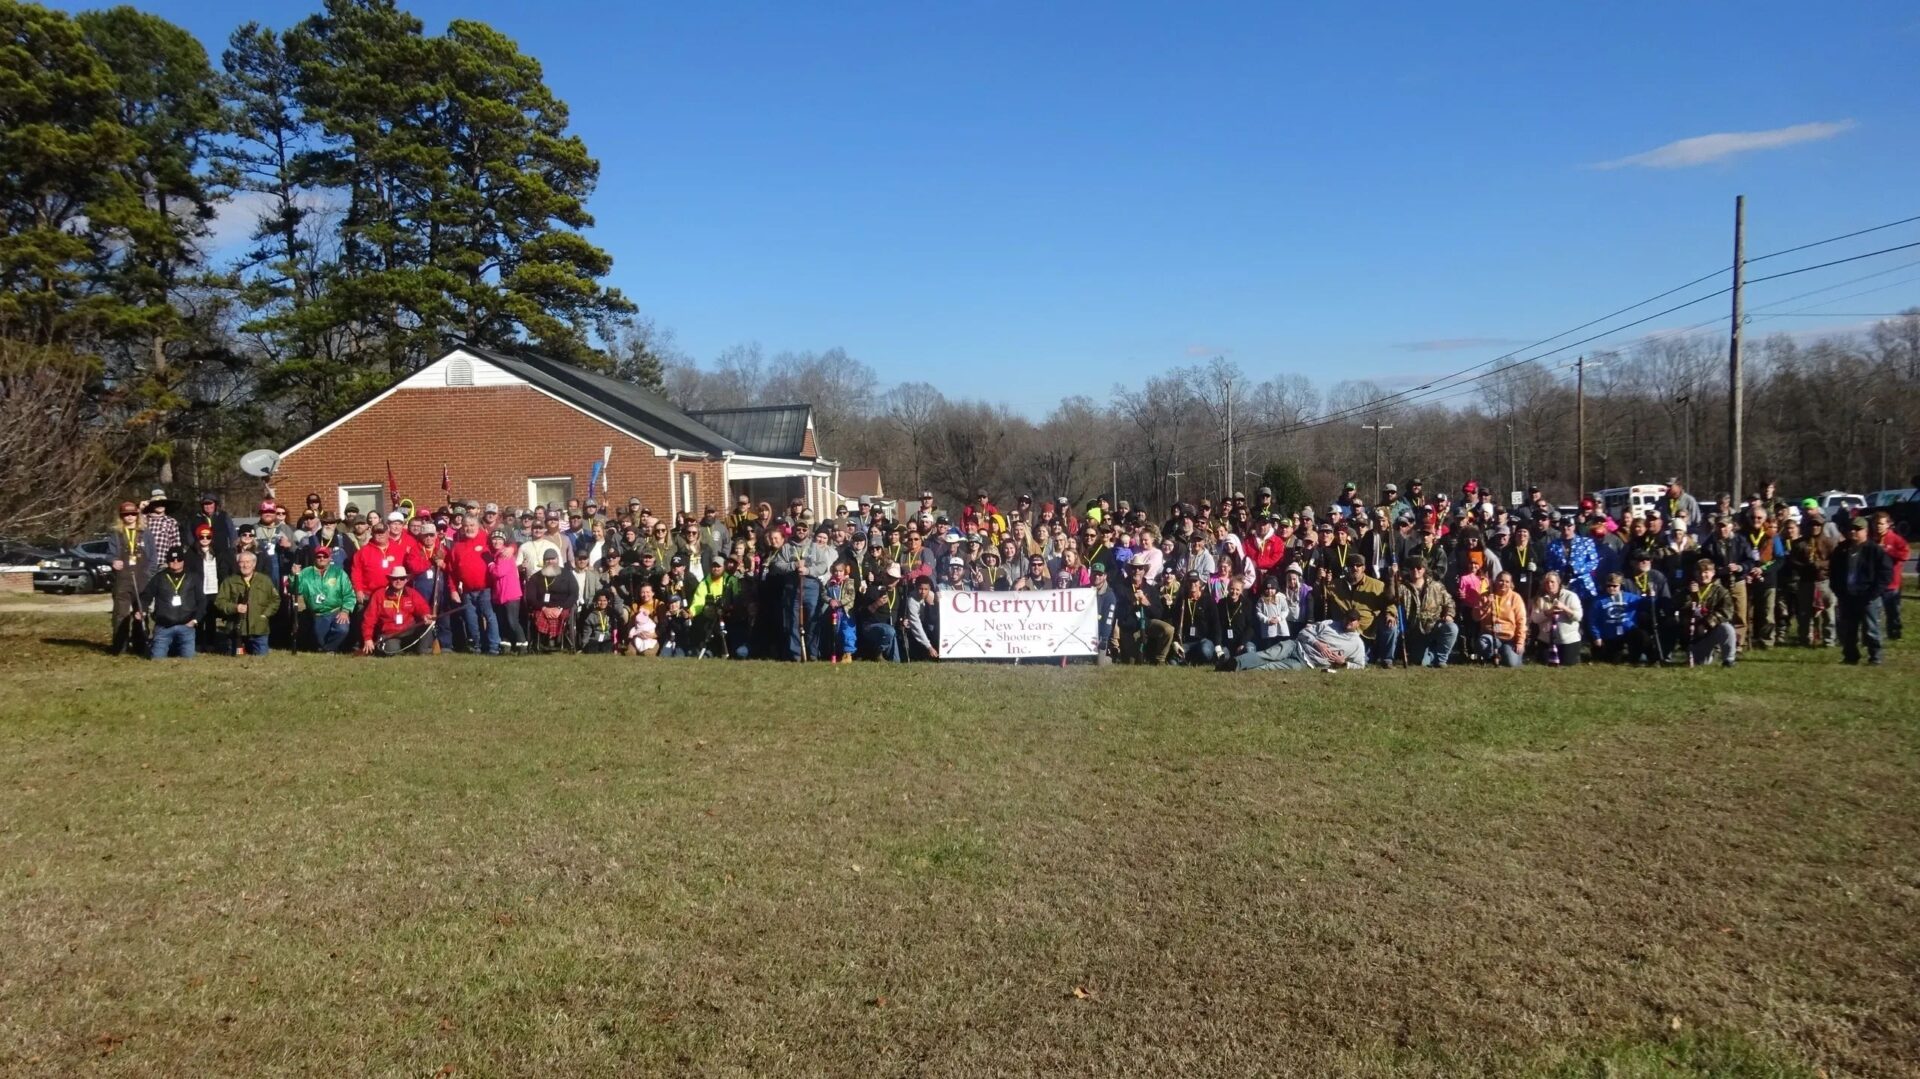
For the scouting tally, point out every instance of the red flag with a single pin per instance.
(446, 479)
(393, 487)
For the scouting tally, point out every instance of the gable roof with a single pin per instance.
(622, 404)
(766, 430)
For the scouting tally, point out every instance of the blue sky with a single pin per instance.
(1019, 201)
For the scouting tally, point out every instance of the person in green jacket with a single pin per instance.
(249, 600)
(323, 591)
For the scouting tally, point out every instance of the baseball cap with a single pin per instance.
(493, 507)
(1809, 503)
(396, 515)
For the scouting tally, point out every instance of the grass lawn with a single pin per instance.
(572, 866)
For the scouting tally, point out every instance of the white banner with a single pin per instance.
(1002, 625)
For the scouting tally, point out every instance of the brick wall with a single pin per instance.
(492, 439)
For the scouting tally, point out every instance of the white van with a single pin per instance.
(1620, 503)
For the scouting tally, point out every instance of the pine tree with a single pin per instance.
(64, 157)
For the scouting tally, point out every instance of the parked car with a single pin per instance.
(17, 553)
(1891, 496)
(83, 567)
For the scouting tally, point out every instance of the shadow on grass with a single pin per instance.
(78, 644)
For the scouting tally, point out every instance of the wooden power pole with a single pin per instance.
(1580, 428)
(1376, 428)
(1735, 389)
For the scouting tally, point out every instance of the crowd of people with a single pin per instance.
(1407, 579)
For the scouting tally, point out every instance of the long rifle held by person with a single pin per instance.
(800, 605)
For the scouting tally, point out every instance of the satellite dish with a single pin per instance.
(259, 462)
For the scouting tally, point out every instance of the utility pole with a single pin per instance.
(1735, 389)
(1175, 476)
(1226, 474)
(1883, 424)
(1376, 428)
(1116, 483)
(1685, 400)
(1580, 423)
(1513, 464)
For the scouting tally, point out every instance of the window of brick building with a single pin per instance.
(365, 497)
(543, 490)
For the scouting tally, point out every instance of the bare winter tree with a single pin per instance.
(61, 460)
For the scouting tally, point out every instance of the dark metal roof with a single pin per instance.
(622, 404)
(768, 430)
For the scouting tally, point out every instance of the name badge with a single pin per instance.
(1229, 635)
(398, 618)
(1191, 632)
(175, 602)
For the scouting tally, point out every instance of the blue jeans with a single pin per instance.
(879, 641)
(808, 600)
(1386, 641)
(1492, 647)
(423, 586)
(1859, 622)
(1202, 652)
(1435, 647)
(476, 611)
(171, 640)
(252, 645)
(329, 633)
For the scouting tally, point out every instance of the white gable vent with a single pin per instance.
(459, 372)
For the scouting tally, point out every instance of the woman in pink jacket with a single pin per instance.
(503, 576)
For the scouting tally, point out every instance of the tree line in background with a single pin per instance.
(400, 190)
(1840, 411)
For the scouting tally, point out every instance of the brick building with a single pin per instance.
(520, 429)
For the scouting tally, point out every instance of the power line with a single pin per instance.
(1449, 383)
(1835, 262)
(1833, 239)
(1833, 314)
(1419, 392)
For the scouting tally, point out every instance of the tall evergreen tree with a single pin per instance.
(465, 194)
(64, 157)
(165, 99)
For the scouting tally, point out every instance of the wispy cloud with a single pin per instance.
(1706, 149)
(1450, 344)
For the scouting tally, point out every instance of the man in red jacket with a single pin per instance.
(1897, 549)
(395, 620)
(426, 561)
(373, 563)
(467, 566)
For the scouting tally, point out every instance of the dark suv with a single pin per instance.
(83, 567)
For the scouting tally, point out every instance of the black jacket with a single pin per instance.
(1860, 571)
(561, 591)
(1230, 621)
(162, 589)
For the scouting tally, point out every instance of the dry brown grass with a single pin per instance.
(589, 866)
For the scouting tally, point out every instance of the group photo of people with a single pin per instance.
(1409, 578)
